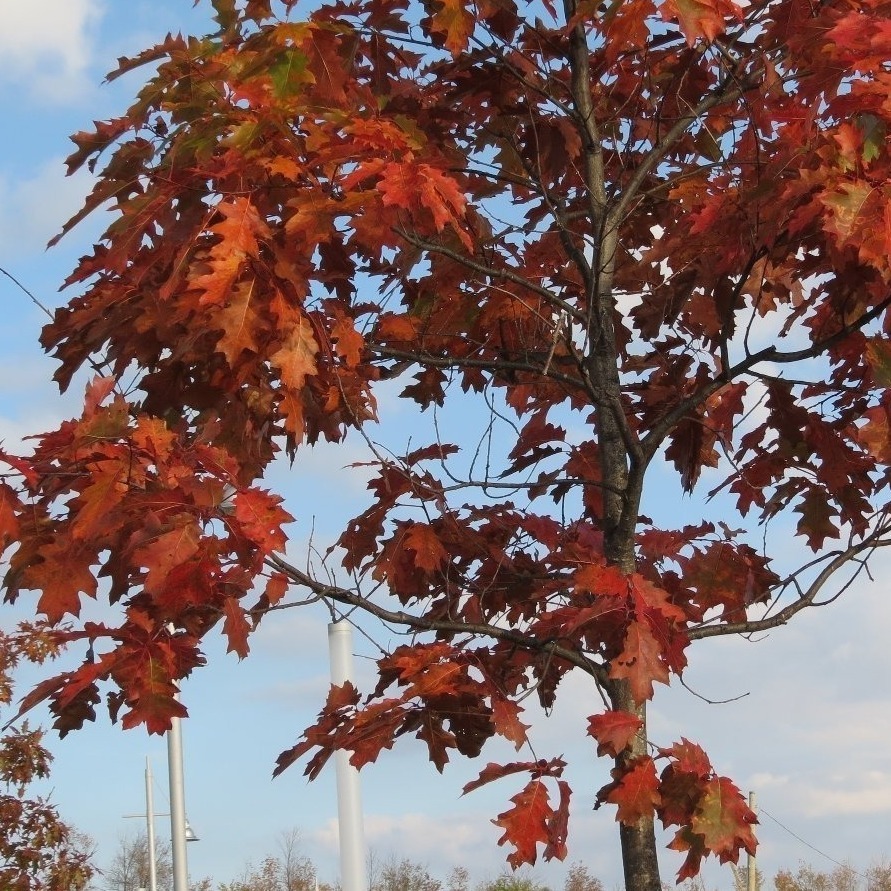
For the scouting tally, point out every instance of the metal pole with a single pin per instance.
(150, 827)
(752, 872)
(177, 806)
(349, 798)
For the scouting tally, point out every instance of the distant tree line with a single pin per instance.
(289, 869)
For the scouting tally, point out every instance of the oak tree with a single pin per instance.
(648, 239)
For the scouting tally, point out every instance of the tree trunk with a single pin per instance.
(639, 860)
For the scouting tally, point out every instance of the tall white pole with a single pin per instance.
(349, 797)
(177, 806)
(150, 827)
(752, 871)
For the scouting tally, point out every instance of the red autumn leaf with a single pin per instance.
(641, 662)
(613, 731)
(493, 771)
(97, 501)
(688, 757)
(527, 823)
(818, 519)
(878, 354)
(236, 627)
(9, 523)
(155, 710)
(62, 575)
(875, 434)
(636, 791)
(165, 551)
(261, 517)
(276, 588)
(506, 718)
(239, 322)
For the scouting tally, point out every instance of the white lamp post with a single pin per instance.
(349, 803)
(178, 821)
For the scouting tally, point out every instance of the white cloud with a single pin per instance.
(850, 794)
(46, 46)
(34, 209)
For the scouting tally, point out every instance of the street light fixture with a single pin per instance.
(149, 817)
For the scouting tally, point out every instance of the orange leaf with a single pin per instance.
(237, 238)
(169, 550)
(97, 501)
(430, 555)
(238, 322)
(700, 18)
(296, 357)
(452, 19)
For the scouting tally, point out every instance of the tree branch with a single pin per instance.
(421, 623)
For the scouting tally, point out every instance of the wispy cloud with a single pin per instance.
(47, 47)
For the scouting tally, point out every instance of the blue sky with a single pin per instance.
(810, 735)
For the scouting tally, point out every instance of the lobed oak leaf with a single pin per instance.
(348, 342)
(614, 731)
(296, 357)
(430, 555)
(688, 757)
(93, 509)
(452, 19)
(700, 18)
(687, 840)
(276, 588)
(558, 825)
(261, 516)
(96, 392)
(155, 710)
(152, 435)
(62, 574)
(878, 355)
(526, 824)
(506, 718)
(9, 521)
(161, 554)
(601, 579)
(236, 627)
(819, 520)
(493, 771)
(438, 739)
(724, 820)
(238, 236)
(875, 434)
(410, 185)
(238, 321)
(640, 662)
(635, 791)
